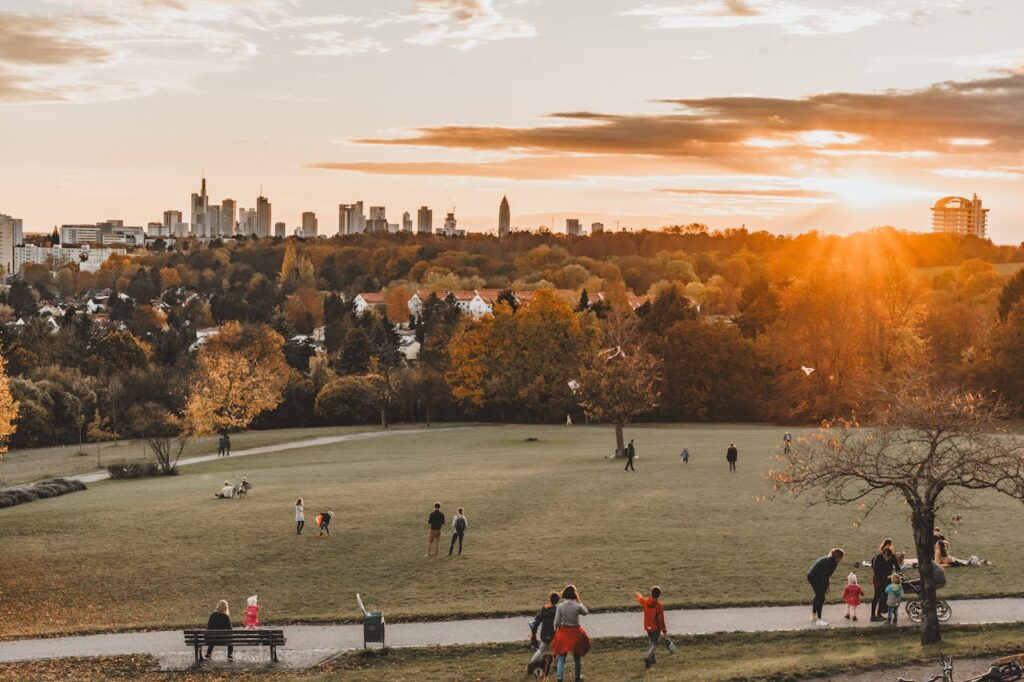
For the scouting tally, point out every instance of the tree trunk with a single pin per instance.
(384, 417)
(620, 445)
(923, 520)
(426, 411)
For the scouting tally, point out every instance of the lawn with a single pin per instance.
(161, 552)
(710, 658)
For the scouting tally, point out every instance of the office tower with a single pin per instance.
(172, 219)
(376, 225)
(280, 230)
(424, 220)
(10, 236)
(200, 203)
(378, 213)
(309, 225)
(228, 209)
(262, 217)
(246, 221)
(213, 221)
(596, 228)
(504, 218)
(572, 226)
(351, 219)
(959, 215)
(406, 222)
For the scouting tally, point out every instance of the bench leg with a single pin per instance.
(273, 653)
(199, 656)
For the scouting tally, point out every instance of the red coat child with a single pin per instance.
(852, 594)
(252, 613)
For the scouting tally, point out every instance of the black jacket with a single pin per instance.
(731, 454)
(436, 519)
(545, 621)
(821, 571)
(630, 451)
(882, 568)
(218, 621)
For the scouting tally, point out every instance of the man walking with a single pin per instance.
(731, 455)
(436, 523)
(630, 454)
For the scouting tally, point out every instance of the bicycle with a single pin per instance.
(1006, 669)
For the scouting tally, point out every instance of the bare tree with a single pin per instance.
(929, 445)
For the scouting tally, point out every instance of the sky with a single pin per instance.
(785, 115)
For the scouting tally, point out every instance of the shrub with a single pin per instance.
(127, 470)
(53, 487)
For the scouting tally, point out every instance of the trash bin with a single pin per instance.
(373, 628)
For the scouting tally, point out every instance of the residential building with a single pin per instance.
(424, 221)
(200, 204)
(351, 219)
(504, 218)
(596, 228)
(10, 237)
(365, 301)
(108, 232)
(228, 210)
(88, 258)
(280, 230)
(309, 225)
(406, 222)
(572, 227)
(961, 216)
(262, 217)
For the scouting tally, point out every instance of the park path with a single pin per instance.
(334, 638)
(291, 445)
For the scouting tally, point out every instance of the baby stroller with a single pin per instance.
(914, 607)
(541, 668)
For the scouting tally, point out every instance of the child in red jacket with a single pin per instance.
(654, 624)
(851, 595)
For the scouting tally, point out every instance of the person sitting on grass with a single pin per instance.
(542, 631)
(226, 493)
(654, 624)
(220, 619)
(893, 597)
(852, 594)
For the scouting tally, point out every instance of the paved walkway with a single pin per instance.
(497, 630)
(292, 445)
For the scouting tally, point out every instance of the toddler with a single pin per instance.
(893, 597)
(851, 595)
(252, 614)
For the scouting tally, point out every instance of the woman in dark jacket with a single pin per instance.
(883, 565)
(821, 571)
(220, 620)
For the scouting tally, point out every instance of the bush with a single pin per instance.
(53, 487)
(127, 470)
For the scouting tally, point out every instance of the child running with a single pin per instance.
(542, 631)
(654, 624)
(300, 516)
(852, 594)
(893, 597)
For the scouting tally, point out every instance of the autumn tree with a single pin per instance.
(8, 409)
(239, 373)
(620, 381)
(304, 310)
(929, 446)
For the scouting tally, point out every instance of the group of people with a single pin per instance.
(220, 619)
(731, 455)
(323, 519)
(886, 579)
(435, 521)
(556, 632)
(224, 445)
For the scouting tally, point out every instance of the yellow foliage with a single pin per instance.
(8, 408)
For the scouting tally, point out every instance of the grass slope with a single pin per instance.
(161, 552)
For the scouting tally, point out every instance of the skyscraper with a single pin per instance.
(246, 221)
(309, 225)
(262, 217)
(959, 215)
(280, 230)
(572, 227)
(10, 236)
(173, 225)
(200, 203)
(406, 222)
(228, 209)
(424, 220)
(504, 218)
(213, 221)
(351, 219)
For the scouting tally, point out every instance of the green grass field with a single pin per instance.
(160, 552)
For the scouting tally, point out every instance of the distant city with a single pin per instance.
(91, 245)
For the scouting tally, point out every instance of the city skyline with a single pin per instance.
(644, 114)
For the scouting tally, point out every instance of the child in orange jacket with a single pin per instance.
(852, 594)
(654, 624)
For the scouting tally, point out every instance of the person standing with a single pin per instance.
(300, 516)
(436, 523)
(685, 456)
(731, 455)
(227, 445)
(220, 619)
(654, 623)
(542, 631)
(220, 446)
(459, 524)
(818, 576)
(630, 454)
(883, 565)
(787, 442)
(570, 637)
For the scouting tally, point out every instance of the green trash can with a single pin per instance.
(373, 628)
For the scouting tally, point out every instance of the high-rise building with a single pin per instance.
(213, 221)
(450, 229)
(596, 228)
(406, 222)
(10, 236)
(262, 217)
(351, 219)
(504, 218)
(572, 227)
(378, 213)
(959, 215)
(173, 224)
(200, 204)
(246, 221)
(280, 230)
(228, 209)
(309, 225)
(424, 220)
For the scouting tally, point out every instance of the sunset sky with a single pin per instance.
(787, 115)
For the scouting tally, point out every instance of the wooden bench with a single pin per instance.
(258, 637)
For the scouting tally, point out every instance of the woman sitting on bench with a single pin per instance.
(220, 619)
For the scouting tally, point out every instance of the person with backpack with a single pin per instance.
(542, 631)
(458, 531)
(654, 624)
